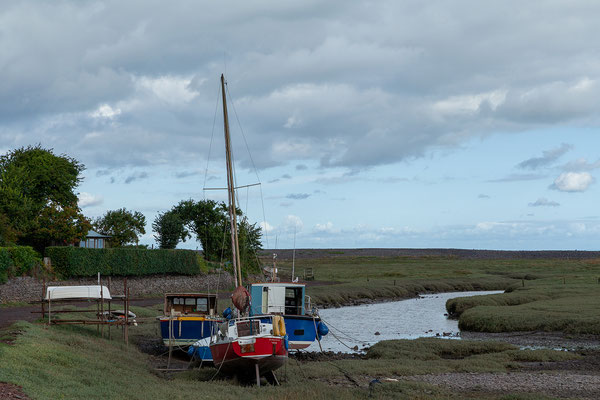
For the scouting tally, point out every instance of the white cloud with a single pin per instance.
(291, 224)
(171, 89)
(573, 181)
(105, 111)
(89, 200)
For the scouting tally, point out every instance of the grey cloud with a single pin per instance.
(519, 177)
(135, 177)
(580, 164)
(543, 202)
(286, 176)
(186, 174)
(301, 167)
(548, 157)
(341, 83)
(297, 196)
(483, 196)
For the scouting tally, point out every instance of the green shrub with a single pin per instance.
(4, 264)
(17, 261)
(70, 262)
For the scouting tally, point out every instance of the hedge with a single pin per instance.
(70, 262)
(17, 261)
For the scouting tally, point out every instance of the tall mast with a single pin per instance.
(235, 248)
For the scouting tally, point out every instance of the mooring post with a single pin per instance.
(44, 297)
(257, 375)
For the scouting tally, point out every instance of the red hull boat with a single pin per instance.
(249, 347)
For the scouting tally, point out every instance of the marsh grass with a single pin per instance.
(547, 295)
(73, 362)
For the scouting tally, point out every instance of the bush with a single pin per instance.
(70, 262)
(17, 261)
(4, 264)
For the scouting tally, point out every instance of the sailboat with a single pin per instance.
(246, 346)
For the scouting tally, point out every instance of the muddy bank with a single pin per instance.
(561, 384)
(549, 340)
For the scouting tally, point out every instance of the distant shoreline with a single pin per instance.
(453, 253)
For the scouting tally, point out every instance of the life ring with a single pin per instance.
(278, 325)
(281, 327)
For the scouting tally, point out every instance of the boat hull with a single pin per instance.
(301, 330)
(186, 331)
(240, 357)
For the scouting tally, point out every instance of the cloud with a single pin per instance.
(543, 202)
(291, 223)
(572, 182)
(297, 196)
(301, 167)
(548, 157)
(581, 164)
(286, 176)
(89, 200)
(519, 177)
(135, 177)
(373, 91)
(186, 174)
(483, 196)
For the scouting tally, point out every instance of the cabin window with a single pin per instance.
(202, 304)
(190, 301)
(293, 301)
(247, 328)
(177, 301)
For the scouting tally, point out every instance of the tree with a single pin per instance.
(169, 230)
(38, 199)
(209, 221)
(122, 225)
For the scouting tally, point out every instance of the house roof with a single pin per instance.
(94, 234)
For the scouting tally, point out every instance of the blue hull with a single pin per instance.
(186, 332)
(300, 330)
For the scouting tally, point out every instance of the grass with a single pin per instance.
(73, 362)
(546, 295)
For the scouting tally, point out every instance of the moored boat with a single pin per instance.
(189, 318)
(250, 346)
(302, 322)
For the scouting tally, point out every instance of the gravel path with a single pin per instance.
(558, 384)
(547, 340)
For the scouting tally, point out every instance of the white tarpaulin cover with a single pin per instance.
(77, 292)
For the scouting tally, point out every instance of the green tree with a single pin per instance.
(208, 220)
(122, 225)
(37, 197)
(169, 229)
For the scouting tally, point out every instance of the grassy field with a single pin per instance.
(75, 363)
(547, 295)
(67, 362)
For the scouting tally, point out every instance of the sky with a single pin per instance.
(367, 124)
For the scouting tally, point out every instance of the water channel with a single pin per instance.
(405, 319)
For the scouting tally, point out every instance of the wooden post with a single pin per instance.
(257, 375)
(109, 308)
(44, 298)
(102, 309)
(127, 320)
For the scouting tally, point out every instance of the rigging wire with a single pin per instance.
(232, 102)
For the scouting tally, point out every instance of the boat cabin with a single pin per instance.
(190, 304)
(277, 298)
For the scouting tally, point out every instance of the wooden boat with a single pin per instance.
(190, 319)
(246, 346)
(302, 322)
(250, 346)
